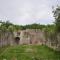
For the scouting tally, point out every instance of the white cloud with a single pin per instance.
(27, 11)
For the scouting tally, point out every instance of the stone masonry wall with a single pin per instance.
(6, 38)
(29, 36)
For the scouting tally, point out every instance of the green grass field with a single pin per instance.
(28, 52)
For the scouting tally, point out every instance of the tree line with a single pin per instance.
(11, 27)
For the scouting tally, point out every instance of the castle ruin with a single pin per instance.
(27, 37)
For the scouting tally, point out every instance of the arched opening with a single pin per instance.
(17, 39)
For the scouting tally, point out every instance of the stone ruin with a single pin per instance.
(26, 37)
(6, 38)
(29, 36)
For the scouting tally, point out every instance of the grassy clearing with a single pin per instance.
(2, 49)
(29, 52)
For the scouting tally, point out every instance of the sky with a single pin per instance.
(24, 12)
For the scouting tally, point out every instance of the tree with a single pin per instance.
(57, 18)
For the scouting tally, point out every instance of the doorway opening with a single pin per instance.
(17, 39)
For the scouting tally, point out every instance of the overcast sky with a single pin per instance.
(27, 11)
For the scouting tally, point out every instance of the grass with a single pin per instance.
(29, 52)
(2, 48)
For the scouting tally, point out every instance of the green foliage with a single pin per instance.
(57, 18)
(11, 27)
(35, 26)
(5, 25)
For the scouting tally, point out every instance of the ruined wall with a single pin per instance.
(52, 40)
(58, 43)
(6, 38)
(37, 36)
(30, 36)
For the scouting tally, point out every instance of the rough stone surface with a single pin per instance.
(29, 36)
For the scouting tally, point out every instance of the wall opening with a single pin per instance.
(17, 39)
